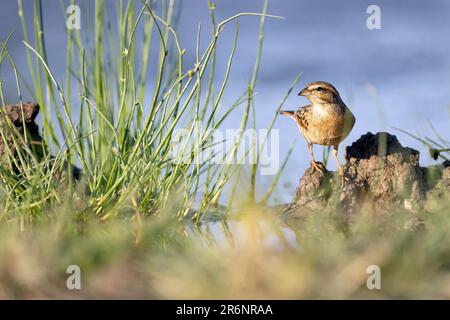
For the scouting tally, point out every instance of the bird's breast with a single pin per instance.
(330, 124)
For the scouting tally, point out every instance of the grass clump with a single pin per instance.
(126, 93)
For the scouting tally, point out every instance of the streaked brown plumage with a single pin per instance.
(326, 121)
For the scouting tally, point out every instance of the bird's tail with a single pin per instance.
(287, 113)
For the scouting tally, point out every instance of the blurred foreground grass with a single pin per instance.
(254, 255)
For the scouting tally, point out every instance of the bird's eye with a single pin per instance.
(319, 88)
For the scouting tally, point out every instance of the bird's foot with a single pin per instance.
(318, 166)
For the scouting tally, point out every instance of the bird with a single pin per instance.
(325, 121)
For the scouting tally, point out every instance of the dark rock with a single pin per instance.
(30, 111)
(380, 173)
(392, 177)
(380, 144)
(315, 189)
(23, 118)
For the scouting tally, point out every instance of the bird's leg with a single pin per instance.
(314, 163)
(335, 155)
(341, 170)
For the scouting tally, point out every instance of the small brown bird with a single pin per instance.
(326, 121)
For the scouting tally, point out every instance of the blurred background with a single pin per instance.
(398, 76)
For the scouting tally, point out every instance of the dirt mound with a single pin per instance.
(381, 144)
(380, 173)
(22, 119)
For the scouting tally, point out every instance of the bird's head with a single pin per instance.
(320, 92)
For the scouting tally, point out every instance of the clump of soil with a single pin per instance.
(380, 173)
(22, 118)
(15, 121)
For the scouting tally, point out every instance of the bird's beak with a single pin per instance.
(304, 92)
(287, 113)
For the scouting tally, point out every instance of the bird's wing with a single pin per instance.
(303, 116)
